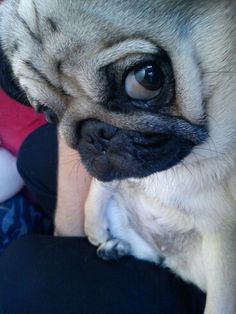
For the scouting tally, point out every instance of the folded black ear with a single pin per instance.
(7, 81)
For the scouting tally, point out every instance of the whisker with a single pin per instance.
(185, 166)
(211, 151)
(220, 72)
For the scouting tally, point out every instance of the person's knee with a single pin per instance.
(37, 158)
(37, 164)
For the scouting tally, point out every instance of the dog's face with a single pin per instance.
(137, 86)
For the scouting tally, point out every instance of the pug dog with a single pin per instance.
(145, 90)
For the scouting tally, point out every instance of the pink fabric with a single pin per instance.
(16, 122)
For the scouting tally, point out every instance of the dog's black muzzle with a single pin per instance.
(112, 153)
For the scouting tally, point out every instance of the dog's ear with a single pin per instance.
(8, 82)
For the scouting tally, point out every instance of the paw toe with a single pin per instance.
(113, 250)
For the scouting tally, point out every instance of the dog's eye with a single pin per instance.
(144, 83)
(49, 114)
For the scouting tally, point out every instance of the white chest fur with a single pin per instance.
(162, 217)
(153, 230)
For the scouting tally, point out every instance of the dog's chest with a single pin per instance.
(166, 229)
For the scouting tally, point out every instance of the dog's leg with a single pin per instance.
(101, 214)
(116, 246)
(96, 224)
(220, 255)
(124, 240)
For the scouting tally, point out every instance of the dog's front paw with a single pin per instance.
(113, 249)
(96, 233)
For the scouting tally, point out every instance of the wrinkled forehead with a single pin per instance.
(94, 23)
(102, 16)
(59, 25)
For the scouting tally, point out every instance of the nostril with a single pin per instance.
(95, 133)
(85, 131)
(107, 132)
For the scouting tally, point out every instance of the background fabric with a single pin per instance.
(19, 217)
(16, 122)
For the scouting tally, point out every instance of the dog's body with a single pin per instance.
(166, 144)
(147, 227)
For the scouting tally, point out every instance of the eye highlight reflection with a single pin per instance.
(144, 83)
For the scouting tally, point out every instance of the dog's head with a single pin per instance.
(136, 86)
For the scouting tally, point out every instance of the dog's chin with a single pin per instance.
(130, 154)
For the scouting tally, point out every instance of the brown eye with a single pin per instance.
(144, 83)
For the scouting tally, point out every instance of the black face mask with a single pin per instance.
(8, 83)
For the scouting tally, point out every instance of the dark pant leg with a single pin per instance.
(46, 275)
(37, 164)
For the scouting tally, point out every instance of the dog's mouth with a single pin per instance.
(109, 152)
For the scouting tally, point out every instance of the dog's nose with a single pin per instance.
(96, 133)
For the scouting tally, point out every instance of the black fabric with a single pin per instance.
(37, 164)
(45, 275)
